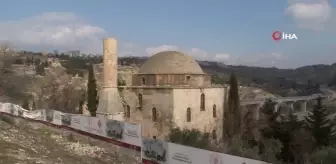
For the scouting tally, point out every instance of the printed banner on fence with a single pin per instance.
(36, 114)
(123, 132)
(77, 122)
(52, 116)
(154, 151)
(235, 159)
(43, 115)
(95, 125)
(57, 117)
(20, 110)
(2, 107)
(180, 154)
(7, 107)
(66, 119)
(12, 109)
(49, 115)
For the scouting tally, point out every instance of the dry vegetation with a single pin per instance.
(27, 142)
(55, 90)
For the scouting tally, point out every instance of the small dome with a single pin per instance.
(170, 62)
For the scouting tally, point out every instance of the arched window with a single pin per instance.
(188, 114)
(128, 111)
(154, 114)
(202, 102)
(214, 111)
(214, 135)
(143, 81)
(188, 78)
(140, 100)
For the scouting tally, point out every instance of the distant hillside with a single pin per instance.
(286, 82)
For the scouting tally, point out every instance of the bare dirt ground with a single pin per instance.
(25, 142)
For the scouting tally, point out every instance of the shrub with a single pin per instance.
(193, 138)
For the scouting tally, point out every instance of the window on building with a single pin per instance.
(188, 78)
(188, 114)
(143, 81)
(202, 102)
(140, 100)
(154, 114)
(214, 134)
(214, 111)
(128, 111)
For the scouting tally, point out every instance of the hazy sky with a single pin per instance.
(230, 31)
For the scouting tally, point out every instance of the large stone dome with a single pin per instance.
(170, 62)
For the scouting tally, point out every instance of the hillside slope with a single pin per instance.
(285, 82)
(314, 74)
(27, 142)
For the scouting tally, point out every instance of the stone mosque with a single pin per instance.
(169, 90)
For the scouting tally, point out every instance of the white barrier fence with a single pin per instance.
(127, 135)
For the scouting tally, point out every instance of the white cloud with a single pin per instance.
(64, 31)
(313, 14)
(278, 56)
(222, 57)
(154, 50)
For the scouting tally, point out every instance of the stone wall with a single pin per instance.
(202, 120)
(161, 99)
(171, 106)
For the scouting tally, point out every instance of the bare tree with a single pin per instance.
(61, 93)
(7, 57)
(14, 86)
(6, 48)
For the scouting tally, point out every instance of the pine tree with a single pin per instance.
(81, 103)
(92, 98)
(249, 124)
(319, 125)
(289, 126)
(269, 120)
(232, 120)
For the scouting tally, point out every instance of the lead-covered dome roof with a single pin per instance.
(170, 62)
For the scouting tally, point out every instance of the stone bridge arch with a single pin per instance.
(292, 106)
(296, 105)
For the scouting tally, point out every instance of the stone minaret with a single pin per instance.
(110, 103)
(110, 63)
